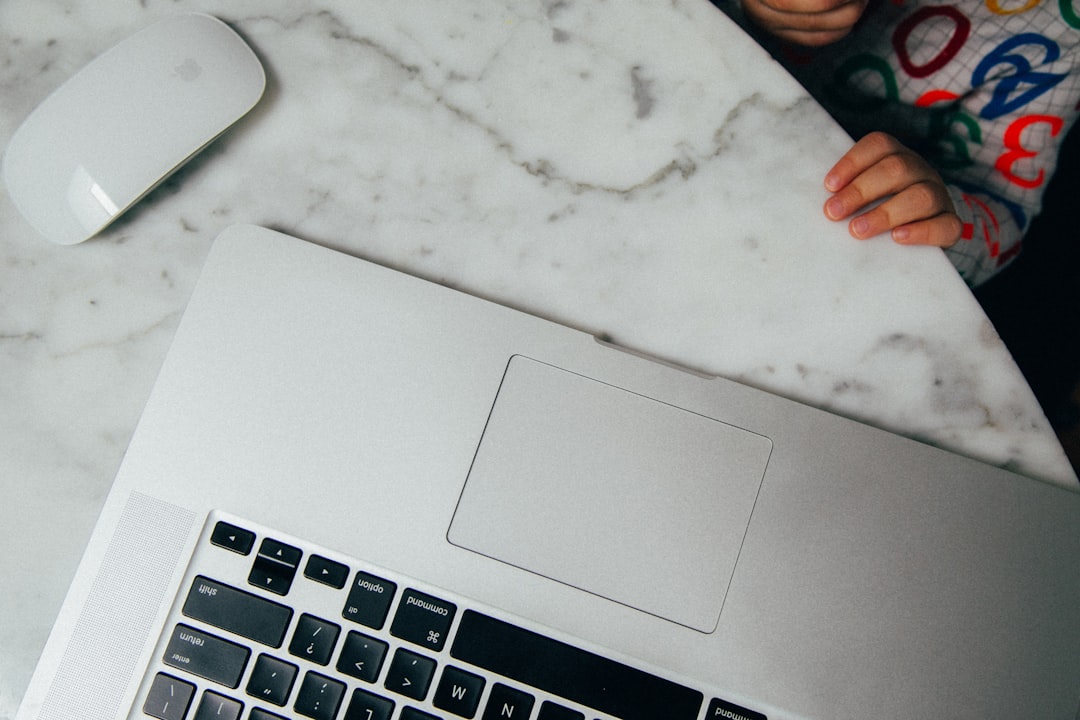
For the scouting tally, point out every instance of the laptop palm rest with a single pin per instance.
(611, 492)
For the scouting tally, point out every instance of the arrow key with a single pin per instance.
(410, 674)
(362, 656)
(326, 571)
(275, 566)
(232, 538)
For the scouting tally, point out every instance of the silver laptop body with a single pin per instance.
(495, 516)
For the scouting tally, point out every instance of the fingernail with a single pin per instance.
(860, 226)
(834, 208)
(831, 181)
(901, 234)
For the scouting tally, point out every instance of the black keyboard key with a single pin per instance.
(551, 711)
(410, 674)
(326, 571)
(271, 680)
(218, 707)
(361, 656)
(319, 697)
(206, 655)
(280, 552)
(722, 709)
(569, 672)
(260, 714)
(423, 619)
(459, 692)
(369, 600)
(232, 538)
(169, 698)
(275, 566)
(237, 611)
(314, 639)
(506, 703)
(369, 706)
(411, 713)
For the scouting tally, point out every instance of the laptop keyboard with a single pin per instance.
(269, 628)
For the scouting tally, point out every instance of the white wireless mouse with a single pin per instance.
(126, 121)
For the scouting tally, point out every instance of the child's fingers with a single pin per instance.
(941, 231)
(914, 202)
(890, 174)
(918, 215)
(864, 154)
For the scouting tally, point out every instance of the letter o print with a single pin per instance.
(903, 31)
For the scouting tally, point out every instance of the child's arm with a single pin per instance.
(916, 207)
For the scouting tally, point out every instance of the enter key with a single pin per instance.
(206, 655)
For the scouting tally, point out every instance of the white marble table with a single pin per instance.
(634, 168)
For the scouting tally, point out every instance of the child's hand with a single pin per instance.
(920, 211)
(806, 22)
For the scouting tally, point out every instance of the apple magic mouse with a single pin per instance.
(126, 121)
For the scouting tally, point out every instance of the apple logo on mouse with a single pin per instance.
(188, 70)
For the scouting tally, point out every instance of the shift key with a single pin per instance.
(237, 611)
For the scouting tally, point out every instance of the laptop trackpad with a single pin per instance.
(611, 492)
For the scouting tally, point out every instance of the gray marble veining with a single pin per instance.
(640, 170)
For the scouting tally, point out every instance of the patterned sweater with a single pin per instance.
(984, 90)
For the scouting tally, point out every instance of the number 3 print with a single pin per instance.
(1017, 152)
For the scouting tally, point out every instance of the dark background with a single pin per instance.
(1035, 302)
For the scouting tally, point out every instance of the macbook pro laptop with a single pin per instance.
(357, 495)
